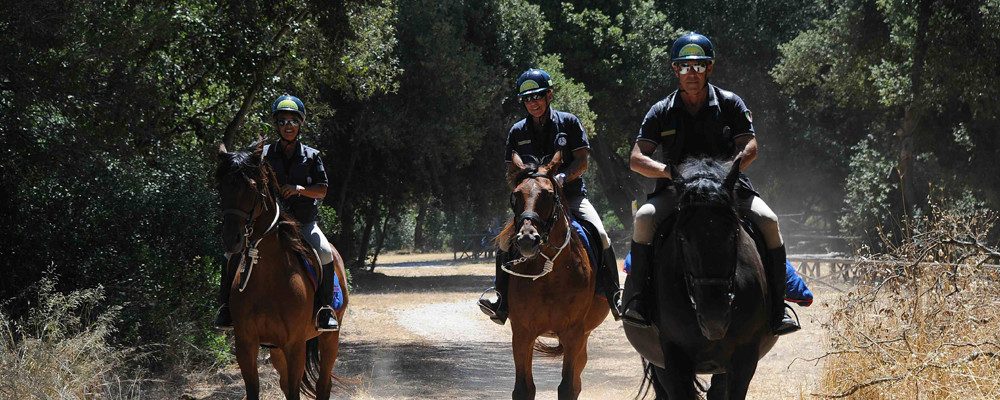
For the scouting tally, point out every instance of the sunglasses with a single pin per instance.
(686, 67)
(532, 97)
(283, 122)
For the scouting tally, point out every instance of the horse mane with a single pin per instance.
(703, 180)
(248, 165)
(514, 179)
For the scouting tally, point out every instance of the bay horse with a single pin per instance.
(711, 291)
(275, 309)
(555, 294)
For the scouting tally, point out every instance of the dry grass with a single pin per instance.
(924, 321)
(61, 350)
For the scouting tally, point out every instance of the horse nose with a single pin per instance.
(528, 239)
(528, 243)
(713, 329)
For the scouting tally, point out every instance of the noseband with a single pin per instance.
(545, 229)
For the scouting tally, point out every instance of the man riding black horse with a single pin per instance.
(697, 119)
(536, 137)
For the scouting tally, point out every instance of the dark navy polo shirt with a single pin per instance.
(711, 132)
(304, 168)
(529, 139)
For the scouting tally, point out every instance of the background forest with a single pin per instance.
(110, 113)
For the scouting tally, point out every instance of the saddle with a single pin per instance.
(246, 269)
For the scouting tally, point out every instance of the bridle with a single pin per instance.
(249, 251)
(546, 228)
(692, 282)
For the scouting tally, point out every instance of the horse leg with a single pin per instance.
(295, 354)
(524, 385)
(281, 366)
(246, 357)
(329, 345)
(720, 387)
(678, 378)
(741, 371)
(574, 345)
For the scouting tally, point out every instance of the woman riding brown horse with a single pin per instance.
(275, 307)
(555, 293)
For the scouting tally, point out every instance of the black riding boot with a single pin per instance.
(781, 322)
(224, 320)
(326, 320)
(607, 281)
(636, 304)
(497, 311)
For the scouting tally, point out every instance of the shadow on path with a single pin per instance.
(373, 283)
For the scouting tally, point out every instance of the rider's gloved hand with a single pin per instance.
(560, 178)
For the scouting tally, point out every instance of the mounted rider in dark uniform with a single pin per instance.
(535, 137)
(698, 119)
(303, 186)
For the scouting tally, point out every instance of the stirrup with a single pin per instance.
(788, 324)
(615, 304)
(487, 307)
(221, 323)
(335, 326)
(633, 317)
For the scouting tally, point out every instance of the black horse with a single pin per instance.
(711, 293)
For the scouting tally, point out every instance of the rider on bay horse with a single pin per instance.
(536, 136)
(303, 184)
(697, 119)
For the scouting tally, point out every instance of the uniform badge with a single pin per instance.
(561, 141)
(749, 116)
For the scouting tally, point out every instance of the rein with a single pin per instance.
(534, 217)
(250, 247)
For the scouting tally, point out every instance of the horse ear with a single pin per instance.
(734, 174)
(514, 168)
(554, 164)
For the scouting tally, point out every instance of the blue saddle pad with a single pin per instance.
(338, 293)
(796, 290)
(586, 242)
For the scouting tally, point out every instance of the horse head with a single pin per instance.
(244, 182)
(535, 199)
(706, 232)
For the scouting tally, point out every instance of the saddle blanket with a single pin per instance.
(586, 242)
(338, 293)
(796, 290)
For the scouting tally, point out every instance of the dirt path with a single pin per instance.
(414, 331)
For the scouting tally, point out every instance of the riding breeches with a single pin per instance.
(581, 209)
(316, 238)
(659, 207)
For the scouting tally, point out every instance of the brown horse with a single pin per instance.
(275, 309)
(555, 296)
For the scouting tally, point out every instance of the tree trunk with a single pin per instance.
(418, 226)
(380, 238)
(346, 237)
(371, 219)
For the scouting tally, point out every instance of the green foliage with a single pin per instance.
(868, 189)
